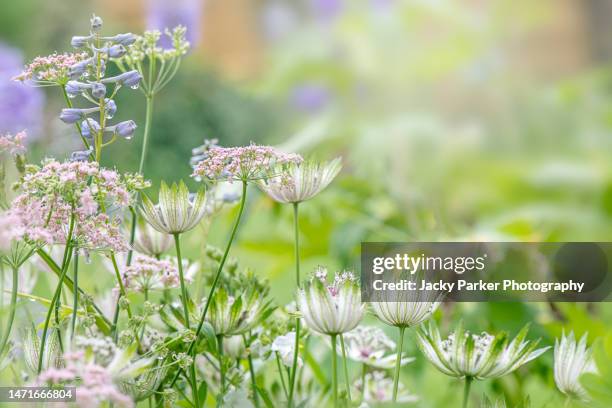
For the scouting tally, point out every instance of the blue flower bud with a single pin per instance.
(79, 41)
(111, 108)
(82, 155)
(98, 90)
(73, 88)
(123, 39)
(130, 78)
(96, 23)
(78, 69)
(71, 115)
(125, 129)
(116, 51)
(89, 127)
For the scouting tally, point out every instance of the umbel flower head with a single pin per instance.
(298, 182)
(371, 346)
(477, 356)
(379, 389)
(331, 308)
(571, 361)
(247, 163)
(147, 273)
(151, 242)
(176, 212)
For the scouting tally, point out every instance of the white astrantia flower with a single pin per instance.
(151, 242)
(176, 211)
(296, 182)
(405, 309)
(233, 347)
(379, 389)
(331, 308)
(285, 346)
(232, 315)
(370, 345)
(571, 361)
(476, 356)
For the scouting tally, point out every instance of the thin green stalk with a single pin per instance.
(334, 370)
(65, 262)
(346, 376)
(466, 391)
(122, 292)
(292, 377)
(252, 373)
(398, 363)
(75, 294)
(9, 323)
(221, 364)
(216, 280)
(132, 232)
(147, 130)
(282, 377)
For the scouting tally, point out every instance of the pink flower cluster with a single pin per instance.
(14, 145)
(51, 68)
(248, 163)
(146, 273)
(56, 192)
(94, 383)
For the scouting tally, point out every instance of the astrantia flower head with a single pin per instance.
(370, 345)
(248, 163)
(476, 356)
(284, 345)
(151, 242)
(13, 145)
(176, 212)
(54, 69)
(296, 182)
(571, 361)
(331, 308)
(146, 273)
(379, 389)
(55, 192)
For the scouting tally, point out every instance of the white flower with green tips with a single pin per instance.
(296, 182)
(571, 361)
(151, 242)
(176, 211)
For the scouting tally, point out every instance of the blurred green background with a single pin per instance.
(474, 120)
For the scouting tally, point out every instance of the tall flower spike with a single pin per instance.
(476, 356)
(571, 361)
(175, 212)
(331, 308)
(298, 182)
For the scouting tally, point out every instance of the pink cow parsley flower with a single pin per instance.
(51, 69)
(147, 273)
(248, 163)
(14, 145)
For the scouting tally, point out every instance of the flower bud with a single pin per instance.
(116, 51)
(98, 90)
(89, 127)
(96, 23)
(73, 88)
(130, 78)
(80, 41)
(111, 108)
(125, 338)
(71, 115)
(125, 129)
(123, 39)
(124, 303)
(80, 156)
(78, 69)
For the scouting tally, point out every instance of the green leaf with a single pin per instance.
(209, 334)
(202, 391)
(265, 397)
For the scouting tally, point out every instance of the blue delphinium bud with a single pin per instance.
(89, 128)
(80, 41)
(96, 23)
(116, 51)
(82, 155)
(98, 90)
(123, 39)
(78, 69)
(71, 115)
(111, 108)
(125, 129)
(73, 88)
(130, 78)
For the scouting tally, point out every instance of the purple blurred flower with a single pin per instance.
(164, 14)
(310, 97)
(21, 107)
(278, 19)
(327, 9)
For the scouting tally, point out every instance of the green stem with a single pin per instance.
(221, 364)
(9, 323)
(466, 391)
(75, 294)
(292, 378)
(132, 233)
(122, 292)
(216, 280)
(58, 289)
(346, 376)
(334, 370)
(252, 373)
(147, 130)
(282, 377)
(398, 363)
